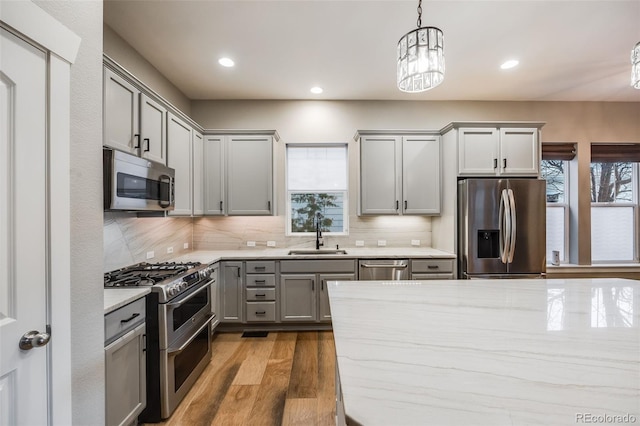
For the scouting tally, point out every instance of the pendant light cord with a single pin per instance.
(419, 13)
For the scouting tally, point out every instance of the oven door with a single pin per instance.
(179, 317)
(180, 366)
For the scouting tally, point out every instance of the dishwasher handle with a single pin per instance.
(385, 266)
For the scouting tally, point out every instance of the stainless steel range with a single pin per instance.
(178, 328)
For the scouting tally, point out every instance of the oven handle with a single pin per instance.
(183, 301)
(193, 336)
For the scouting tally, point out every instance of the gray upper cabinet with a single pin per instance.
(121, 108)
(399, 174)
(214, 181)
(133, 121)
(180, 158)
(498, 151)
(250, 175)
(153, 125)
(239, 174)
(198, 173)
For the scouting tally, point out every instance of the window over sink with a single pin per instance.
(317, 187)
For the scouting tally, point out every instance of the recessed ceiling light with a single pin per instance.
(317, 90)
(509, 64)
(226, 62)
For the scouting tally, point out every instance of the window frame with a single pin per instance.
(565, 206)
(634, 204)
(289, 193)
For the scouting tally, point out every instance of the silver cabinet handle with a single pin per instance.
(33, 339)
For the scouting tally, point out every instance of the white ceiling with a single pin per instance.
(568, 50)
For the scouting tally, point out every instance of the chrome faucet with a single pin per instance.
(319, 241)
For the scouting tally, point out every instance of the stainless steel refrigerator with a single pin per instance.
(501, 228)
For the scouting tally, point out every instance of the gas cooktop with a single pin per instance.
(146, 274)
(168, 279)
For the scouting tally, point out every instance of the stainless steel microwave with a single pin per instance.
(134, 183)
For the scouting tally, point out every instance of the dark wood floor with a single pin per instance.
(286, 378)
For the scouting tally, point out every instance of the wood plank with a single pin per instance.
(268, 408)
(303, 382)
(326, 379)
(236, 405)
(284, 345)
(300, 411)
(255, 362)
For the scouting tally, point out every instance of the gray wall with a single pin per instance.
(87, 319)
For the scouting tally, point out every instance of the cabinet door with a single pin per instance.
(379, 175)
(121, 99)
(214, 175)
(231, 292)
(478, 151)
(125, 378)
(250, 175)
(179, 157)
(198, 174)
(421, 175)
(519, 152)
(298, 297)
(323, 299)
(153, 128)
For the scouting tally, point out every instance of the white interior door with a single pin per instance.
(23, 231)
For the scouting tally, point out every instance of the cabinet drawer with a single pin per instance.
(430, 266)
(258, 280)
(261, 311)
(424, 277)
(258, 294)
(121, 320)
(261, 267)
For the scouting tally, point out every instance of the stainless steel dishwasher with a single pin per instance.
(383, 269)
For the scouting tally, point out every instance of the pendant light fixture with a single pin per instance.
(635, 66)
(420, 58)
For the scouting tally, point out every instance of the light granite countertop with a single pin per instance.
(488, 352)
(115, 298)
(210, 256)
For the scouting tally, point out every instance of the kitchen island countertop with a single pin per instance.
(488, 352)
(210, 256)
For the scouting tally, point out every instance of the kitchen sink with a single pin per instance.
(314, 252)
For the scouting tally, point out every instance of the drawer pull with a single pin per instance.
(433, 266)
(137, 314)
(261, 312)
(261, 295)
(260, 281)
(259, 268)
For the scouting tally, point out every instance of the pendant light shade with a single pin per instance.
(635, 66)
(420, 58)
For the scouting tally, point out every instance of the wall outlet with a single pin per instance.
(415, 243)
(382, 243)
(271, 243)
(169, 250)
(185, 246)
(251, 243)
(359, 243)
(151, 255)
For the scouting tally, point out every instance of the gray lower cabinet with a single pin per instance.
(125, 363)
(303, 288)
(432, 269)
(231, 292)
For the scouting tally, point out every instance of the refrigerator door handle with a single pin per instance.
(512, 238)
(505, 227)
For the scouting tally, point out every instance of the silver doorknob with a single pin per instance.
(33, 339)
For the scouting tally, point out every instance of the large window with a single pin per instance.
(317, 189)
(614, 205)
(555, 172)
